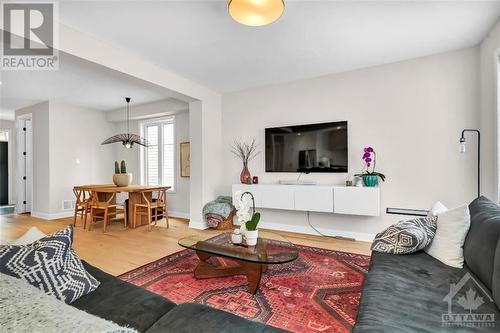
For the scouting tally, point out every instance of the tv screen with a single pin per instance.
(307, 148)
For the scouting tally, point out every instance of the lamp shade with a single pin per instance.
(256, 12)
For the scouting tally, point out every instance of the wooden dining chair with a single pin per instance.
(103, 207)
(82, 205)
(151, 208)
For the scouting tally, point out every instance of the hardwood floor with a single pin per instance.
(120, 250)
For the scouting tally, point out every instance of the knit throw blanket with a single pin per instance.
(218, 210)
(24, 308)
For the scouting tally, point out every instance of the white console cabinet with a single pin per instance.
(315, 198)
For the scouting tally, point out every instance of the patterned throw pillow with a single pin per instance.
(51, 265)
(406, 237)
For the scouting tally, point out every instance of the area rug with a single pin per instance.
(318, 292)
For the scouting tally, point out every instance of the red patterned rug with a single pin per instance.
(318, 292)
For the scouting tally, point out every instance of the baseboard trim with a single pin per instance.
(305, 229)
(53, 216)
(181, 215)
(198, 225)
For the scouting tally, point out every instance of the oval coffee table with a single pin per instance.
(251, 261)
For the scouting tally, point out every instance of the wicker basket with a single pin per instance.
(227, 223)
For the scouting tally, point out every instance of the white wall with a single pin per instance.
(11, 127)
(76, 154)
(489, 114)
(179, 200)
(411, 112)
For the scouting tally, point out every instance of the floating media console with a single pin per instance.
(315, 198)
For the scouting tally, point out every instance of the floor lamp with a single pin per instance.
(461, 149)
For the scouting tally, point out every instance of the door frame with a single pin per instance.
(20, 208)
(10, 166)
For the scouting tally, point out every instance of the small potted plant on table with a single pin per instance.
(368, 173)
(121, 178)
(249, 221)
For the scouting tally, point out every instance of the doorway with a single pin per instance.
(4, 168)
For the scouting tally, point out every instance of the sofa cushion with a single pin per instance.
(407, 294)
(122, 302)
(189, 318)
(482, 239)
(24, 308)
(447, 245)
(51, 265)
(406, 237)
(496, 277)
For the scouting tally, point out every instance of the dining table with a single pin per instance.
(135, 196)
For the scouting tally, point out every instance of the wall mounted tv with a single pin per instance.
(307, 148)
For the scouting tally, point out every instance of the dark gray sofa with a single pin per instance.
(408, 293)
(135, 307)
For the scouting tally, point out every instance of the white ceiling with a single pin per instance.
(77, 82)
(199, 40)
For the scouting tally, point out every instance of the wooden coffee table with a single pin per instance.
(251, 261)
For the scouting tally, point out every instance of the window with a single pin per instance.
(158, 159)
(4, 135)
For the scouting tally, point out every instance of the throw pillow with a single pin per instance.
(50, 264)
(452, 228)
(30, 236)
(406, 237)
(437, 209)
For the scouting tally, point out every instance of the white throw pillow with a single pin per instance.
(32, 235)
(437, 209)
(452, 228)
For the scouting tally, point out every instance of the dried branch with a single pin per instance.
(245, 151)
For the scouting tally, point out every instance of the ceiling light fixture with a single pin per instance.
(255, 13)
(127, 139)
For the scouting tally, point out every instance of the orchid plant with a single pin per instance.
(370, 159)
(243, 206)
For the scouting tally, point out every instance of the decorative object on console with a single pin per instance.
(461, 149)
(49, 264)
(370, 178)
(127, 139)
(452, 228)
(245, 152)
(406, 237)
(121, 178)
(255, 180)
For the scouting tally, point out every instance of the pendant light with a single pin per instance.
(255, 12)
(127, 139)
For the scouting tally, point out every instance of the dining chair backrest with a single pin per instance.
(97, 194)
(82, 196)
(159, 194)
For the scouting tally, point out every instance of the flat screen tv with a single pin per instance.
(307, 148)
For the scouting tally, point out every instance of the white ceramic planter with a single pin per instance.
(251, 237)
(122, 179)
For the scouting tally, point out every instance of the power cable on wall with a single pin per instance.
(322, 234)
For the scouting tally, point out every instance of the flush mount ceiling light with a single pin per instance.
(126, 139)
(255, 12)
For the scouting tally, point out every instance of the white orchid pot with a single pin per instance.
(251, 237)
(122, 179)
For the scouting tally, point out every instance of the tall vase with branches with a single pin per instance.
(245, 152)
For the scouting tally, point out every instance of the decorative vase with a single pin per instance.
(245, 177)
(370, 180)
(236, 237)
(251, 237)
(122, 179)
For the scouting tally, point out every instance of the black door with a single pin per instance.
(4, 173)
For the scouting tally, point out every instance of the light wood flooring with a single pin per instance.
(120, 250)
